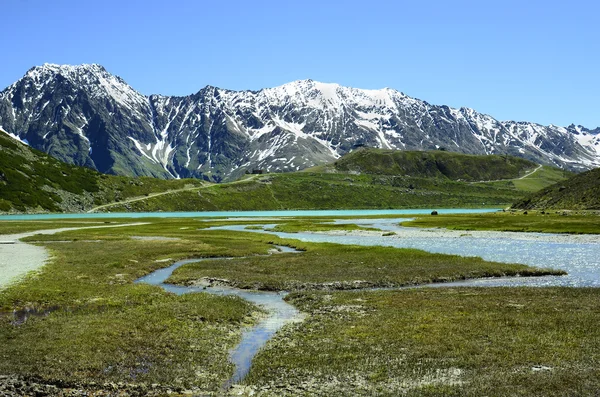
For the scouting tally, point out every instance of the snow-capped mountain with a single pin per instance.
(84, 115)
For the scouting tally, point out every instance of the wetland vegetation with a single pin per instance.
(81, 322)
(338, 267)
(436, 342)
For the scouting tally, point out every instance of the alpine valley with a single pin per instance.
(86, 116)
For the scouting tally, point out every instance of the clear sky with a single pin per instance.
(526, 60)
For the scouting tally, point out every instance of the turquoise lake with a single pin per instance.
(242, 214)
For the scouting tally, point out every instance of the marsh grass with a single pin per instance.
(334, 266)
(315, 225)
(99, 326)
(554, 222)
(437, 342)
(96, 325)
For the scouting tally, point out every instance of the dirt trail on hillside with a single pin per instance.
(152, 195)
(513, 179)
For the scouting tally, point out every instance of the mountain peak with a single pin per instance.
(97, 119)
(93, 76)
(65, 70)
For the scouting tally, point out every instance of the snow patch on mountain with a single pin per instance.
(15, 137)
(222, 133)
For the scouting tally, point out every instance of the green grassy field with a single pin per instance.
(305, 190)
(334, 266)
(328, 187)
(90, 324)
(436, 342)
(436, 164)
(555, 222)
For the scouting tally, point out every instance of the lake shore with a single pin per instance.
(18, 258)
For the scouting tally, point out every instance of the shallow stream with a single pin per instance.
(578, 255)
(279, 312)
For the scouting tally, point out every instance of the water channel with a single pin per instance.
(578, 255)
(279, 312)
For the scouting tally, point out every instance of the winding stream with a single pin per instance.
(279, 312)
(578, 255)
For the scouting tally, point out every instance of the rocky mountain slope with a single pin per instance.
(87, 116)
(32, 181)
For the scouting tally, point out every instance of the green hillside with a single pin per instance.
(32, 181)
(581, 192)
(371, 178)
(309, 190)
(434, 164)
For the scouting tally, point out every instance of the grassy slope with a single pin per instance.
(31, 180)
(581, 192)
(514, 222)
(545, 176)
(371, 178)
(437, 342)
(434, 164)
(307, 190)
(541, 178)
(25, 172)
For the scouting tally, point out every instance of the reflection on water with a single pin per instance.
(279, 312)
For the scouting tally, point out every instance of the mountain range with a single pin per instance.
(86, 116)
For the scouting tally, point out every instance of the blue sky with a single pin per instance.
(515, 60)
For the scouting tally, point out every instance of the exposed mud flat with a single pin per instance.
(19, 258)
